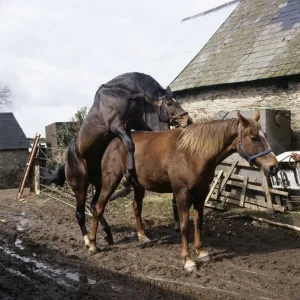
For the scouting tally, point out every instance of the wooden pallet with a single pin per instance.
(219, 194)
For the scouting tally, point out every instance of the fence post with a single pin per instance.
(36, 179)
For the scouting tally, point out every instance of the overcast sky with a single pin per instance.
(54, 54)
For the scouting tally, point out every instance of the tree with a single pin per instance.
(5, 94)
(67, 131)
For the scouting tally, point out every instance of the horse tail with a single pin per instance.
(120, 194)
(60, 178)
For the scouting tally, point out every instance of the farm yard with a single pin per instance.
(226, 141)
(42, 254)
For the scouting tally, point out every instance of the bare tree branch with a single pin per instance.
(5, 93)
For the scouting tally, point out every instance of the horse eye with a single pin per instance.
(254, 138)
(169, 103)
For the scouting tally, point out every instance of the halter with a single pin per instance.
(250, 158)
(172, 119)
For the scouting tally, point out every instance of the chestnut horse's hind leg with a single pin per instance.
(184, 199)
(137, 204)
(198, 220)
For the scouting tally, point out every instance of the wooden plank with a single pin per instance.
(215, 206)
(241, 178)
(243, 193)
(224, 181)
(252, 186)
(28, 165)
(265, 186)
(227, 176)
(213, 186)
(250, 204)
(240, 164)
(248, 200)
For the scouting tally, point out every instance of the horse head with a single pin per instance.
(252, 145)
(173, 113)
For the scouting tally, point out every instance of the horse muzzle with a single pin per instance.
(180, 120)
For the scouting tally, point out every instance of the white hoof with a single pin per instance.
(144, 239)
(93, 248)
(86, 240)
(204, 256)
(190, 266)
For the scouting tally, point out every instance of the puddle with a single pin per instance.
(18, 243)
(22, 224)
(14, 272)
(80, 278)
(47, 270)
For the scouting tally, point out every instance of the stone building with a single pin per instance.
(13, 151)
(251, 62)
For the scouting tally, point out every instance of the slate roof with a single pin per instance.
(259, 40)
(11, 134)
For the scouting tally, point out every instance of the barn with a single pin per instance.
(13, 151)
(251, 62)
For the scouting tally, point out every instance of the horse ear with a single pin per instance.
(168, 90)
(243, 120)
(257, 115)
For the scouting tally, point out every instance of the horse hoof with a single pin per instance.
(109, 240)
(190, 266)
(86, 241)
(177, 226)
(204, 256)
(144, 239)
(93, 249)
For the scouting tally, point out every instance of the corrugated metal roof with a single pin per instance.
(259, 40)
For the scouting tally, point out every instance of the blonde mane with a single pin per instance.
(207, 137)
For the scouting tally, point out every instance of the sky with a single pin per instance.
(55, 54)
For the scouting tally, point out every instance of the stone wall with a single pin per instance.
(215, 102)
(12, 164)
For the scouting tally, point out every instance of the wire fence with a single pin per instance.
(50, 159)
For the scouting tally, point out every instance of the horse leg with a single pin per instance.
(137, 204)
(80, 195)
(183, 202)
(125, 136)
(108, 187)
(175, 214)
(96, 196)
(198, 220)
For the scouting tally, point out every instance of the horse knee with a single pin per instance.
(184, 227)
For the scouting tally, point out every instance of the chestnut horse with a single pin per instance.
(182, 161)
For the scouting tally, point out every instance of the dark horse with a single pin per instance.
(182, 161)
(117, 109)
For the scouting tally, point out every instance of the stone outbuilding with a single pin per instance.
(251, 62)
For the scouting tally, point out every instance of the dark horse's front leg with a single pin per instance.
(125, 136)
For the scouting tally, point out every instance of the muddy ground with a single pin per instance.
(42, 255)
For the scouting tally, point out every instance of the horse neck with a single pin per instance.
(228, 146)
(212, 142)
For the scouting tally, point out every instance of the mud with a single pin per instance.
(42, 255)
